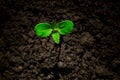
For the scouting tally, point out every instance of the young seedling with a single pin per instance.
(55, 29)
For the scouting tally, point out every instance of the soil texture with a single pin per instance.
(90, 52)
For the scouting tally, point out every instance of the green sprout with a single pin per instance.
(55, 29)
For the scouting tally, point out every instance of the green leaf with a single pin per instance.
(43, 29)
(56, 37)
(65, 27)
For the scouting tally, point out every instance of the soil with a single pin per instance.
(90, 52)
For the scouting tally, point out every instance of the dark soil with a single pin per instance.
(90, 52)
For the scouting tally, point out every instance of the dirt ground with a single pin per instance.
(90, 52)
